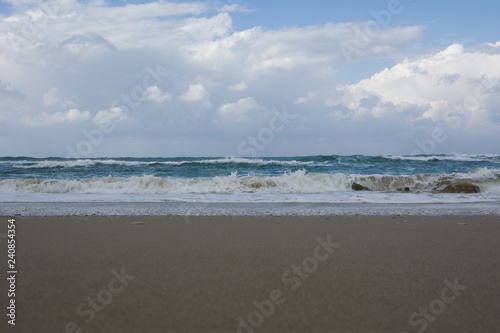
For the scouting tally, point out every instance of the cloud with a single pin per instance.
(231, 8)
(51, 97)
(196, 93)
(147, 10)
(102, 27)
(242, 86)
(424, 88)
(220, 82)
(153, 93)
(267, 51)
(86, 46)
(54, 97)
(246, 113)
(109, 115)
(8, 90)
(73, 115)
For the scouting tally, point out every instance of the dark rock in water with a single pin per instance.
(259, 184)
(403, 189)
(461, 188)
(358, 187)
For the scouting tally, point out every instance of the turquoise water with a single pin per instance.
(190, 167)
(203, 183)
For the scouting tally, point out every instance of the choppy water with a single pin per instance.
(200, 184)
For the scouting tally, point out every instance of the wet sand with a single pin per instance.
(255, 274)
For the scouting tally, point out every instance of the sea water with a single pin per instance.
(302, 185)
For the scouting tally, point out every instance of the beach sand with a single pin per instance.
(211, 274)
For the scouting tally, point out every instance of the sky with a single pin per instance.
(248, 78)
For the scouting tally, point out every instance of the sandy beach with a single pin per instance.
(255, 274)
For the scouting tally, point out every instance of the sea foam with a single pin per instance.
(485, 180)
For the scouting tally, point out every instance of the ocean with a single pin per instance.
(302, 185)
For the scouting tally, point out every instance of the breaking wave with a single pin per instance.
(79, 163)
(305, 161)
(477, 181)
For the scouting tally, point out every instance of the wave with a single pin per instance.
(258, 161)
(80, 163)
(452, 157)
(34, 163)
(479, 180)
(305, 161)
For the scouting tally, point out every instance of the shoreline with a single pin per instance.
(246, 209)
(257, 274)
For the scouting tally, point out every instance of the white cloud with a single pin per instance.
(260, 52)
(146, 10)
(246, 113)
(196, 93)
(440, 81)
(86, 46)
(303, 99)
(73, 115)
(109, 115)
(97, 54)
(242, 86)
(54, 97)
(155, 25)
(426, 87)
(233, 8)
(153, 93)
(7, 89)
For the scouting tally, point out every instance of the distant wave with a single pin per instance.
(37, 164)
(479, 180)
(258, 161)
(457, 157)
